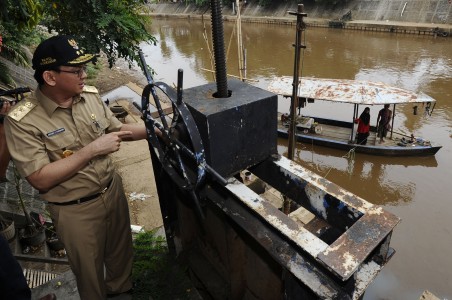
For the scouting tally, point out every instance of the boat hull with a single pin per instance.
(339, 136)
(368, 149)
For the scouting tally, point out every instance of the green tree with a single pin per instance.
(17, 22)
(23, 14)
(115, 27)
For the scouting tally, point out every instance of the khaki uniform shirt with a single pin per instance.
(38, 131)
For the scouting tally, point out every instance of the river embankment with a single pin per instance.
(392, 17)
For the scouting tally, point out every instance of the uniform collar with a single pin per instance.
(49, 105)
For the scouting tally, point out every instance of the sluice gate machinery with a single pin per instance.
(231, 231)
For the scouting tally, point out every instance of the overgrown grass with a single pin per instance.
(155, 273)
(92, 70)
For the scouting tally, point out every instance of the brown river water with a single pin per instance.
(417, 189)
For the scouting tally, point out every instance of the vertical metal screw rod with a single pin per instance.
(294, 102)
(218, 48)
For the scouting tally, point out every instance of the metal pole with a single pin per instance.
(355, 116)
(244, 63)
(392, 120)
(294, 100)
(240, 42)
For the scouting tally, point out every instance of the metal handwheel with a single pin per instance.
(179, 147)
(179, 139)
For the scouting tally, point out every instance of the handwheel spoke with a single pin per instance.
(180, 148)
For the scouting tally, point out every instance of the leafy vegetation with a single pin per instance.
(17, 22)
(115, 27)
(155, 273)
(23, 14)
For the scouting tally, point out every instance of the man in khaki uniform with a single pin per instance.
(59, 139)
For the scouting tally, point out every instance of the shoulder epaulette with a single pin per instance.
(21, 110)
(90, 89)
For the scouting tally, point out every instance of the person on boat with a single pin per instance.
(383, 122)
(363, 126)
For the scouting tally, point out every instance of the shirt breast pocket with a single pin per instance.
(59, 143)
(100, 126)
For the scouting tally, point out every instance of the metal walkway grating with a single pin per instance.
(37, 277)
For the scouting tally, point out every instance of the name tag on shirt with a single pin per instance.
(55, 132)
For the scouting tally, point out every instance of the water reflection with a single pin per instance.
(361, 173)
(418, 63)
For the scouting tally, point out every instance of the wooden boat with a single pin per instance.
(341, 134)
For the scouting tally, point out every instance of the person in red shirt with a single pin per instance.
(363, 126)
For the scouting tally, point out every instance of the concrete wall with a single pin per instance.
(417, 11)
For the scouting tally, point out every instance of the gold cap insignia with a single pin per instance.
(73, 43)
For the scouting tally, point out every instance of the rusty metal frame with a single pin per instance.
(366, 226)
(342, 269)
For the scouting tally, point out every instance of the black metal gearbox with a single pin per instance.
(238, 131)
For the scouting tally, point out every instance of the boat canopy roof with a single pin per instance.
(347, 91)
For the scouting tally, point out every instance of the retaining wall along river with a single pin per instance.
(413, 17)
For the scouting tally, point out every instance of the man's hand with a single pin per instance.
(109, 143)
(5, 108)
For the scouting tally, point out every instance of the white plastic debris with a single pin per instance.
(136, 228)
(138, 196)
